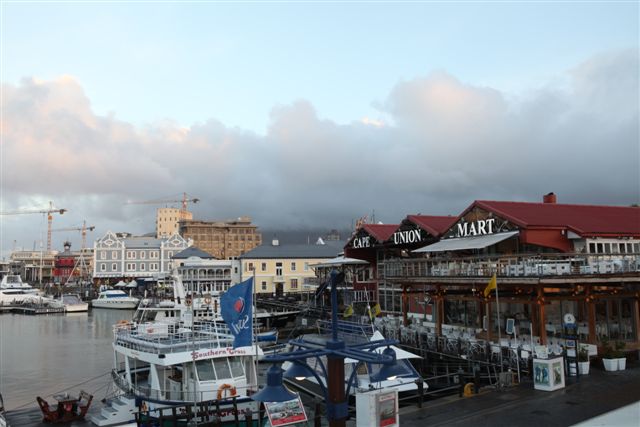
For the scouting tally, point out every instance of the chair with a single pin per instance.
(49, 416)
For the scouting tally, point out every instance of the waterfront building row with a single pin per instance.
(549, 258)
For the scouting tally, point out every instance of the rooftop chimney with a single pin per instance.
(549, 198)
(275, 242)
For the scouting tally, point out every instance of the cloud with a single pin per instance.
(444, 143)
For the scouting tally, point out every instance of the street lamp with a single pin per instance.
(335, 352)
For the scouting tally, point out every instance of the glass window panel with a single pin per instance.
(236, 366)
(222, 368)
(205, 370)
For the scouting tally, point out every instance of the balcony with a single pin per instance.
(516, 266)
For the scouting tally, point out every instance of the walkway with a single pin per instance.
(596, 394)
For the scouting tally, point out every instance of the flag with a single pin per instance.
(236, 306)
(491, 286)
(348, 312)
(376, 309)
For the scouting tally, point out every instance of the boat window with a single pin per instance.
(205, 370)
(222, 368)
(236, 366)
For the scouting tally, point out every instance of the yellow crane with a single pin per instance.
(49, 212)
(183, 202)
(82, 229)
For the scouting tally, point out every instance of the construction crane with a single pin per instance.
(82, 229)
(49, 212)
(183, 210)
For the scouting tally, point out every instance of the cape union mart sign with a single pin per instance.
(477, 228)
(407, 236)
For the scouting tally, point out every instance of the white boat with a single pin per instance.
(365, 377)
(161, 365)
(115, 299)
(73, 303)
(13, 291)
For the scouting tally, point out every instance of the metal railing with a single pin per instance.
(522, 265)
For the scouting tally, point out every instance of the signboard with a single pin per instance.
(407, 236)
(476, 228)
(387, 410)
(285, 413)
(362, 242)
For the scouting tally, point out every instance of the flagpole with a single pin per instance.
(255, 324)
(499, 334)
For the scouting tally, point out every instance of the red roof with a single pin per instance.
(435, 225)
(381, 232)
(585, 220)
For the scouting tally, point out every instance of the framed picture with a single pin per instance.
(285, 413)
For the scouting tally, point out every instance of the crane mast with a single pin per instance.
(49, 212)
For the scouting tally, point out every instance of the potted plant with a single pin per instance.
(622, 360)
(609, 356)
(583, 361)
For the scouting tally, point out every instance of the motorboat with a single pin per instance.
(114, 298)
(366, 377)
(162, 365)
(13, 291)
(73, 303)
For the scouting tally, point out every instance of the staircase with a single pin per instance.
(117, 410)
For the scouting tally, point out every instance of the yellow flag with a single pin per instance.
(348, 312)
(491, 286)
(376, 309)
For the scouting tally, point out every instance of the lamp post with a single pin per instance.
(335, 352)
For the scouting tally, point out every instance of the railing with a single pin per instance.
(523, 265)
(163, 338)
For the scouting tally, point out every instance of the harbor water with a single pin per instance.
(46, 354)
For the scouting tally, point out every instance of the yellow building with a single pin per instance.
(222, 239)
(168, 221)
(282, 269)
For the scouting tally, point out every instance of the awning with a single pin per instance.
(466, 243)
(338, 261)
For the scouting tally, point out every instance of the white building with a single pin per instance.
(203, 274)
(118, 256)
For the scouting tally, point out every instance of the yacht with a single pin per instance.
(14, 291)
(115, 299)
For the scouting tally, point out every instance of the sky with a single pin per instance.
(311, 114)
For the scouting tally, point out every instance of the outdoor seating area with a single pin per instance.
(68, 408)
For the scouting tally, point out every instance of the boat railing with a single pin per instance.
(163, 338)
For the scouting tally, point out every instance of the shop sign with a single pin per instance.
(362, 242)
(407, 236)
(477, 228)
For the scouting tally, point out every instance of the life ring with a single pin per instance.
(187, 302)
(123, 323)
(207, 299)
(224, 387)
(143, 407)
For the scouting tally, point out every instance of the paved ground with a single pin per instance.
(591, 396)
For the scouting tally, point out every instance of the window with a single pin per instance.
(236, 366)
(153, 266)
(205, 370)
(222, 368)
(131, 266)
(103, 267)
(142, 255)
(114, 267)
(142, 266)
(131, 255)
(294, 283)
(264, 266)
(293, 266)
(278, 269)
(250, 266)
(153, 255)
(103, 255)
(114, 254)
(264, 286)
(306, 266)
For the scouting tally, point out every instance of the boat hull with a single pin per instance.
(122, 305)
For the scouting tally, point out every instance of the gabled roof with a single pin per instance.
(381, 232)
(585, 220)
(435, 225)
(193, 252)
(268, 251)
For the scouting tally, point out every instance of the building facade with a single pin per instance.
(222, 239)
(550, 259)
(168, 221)
(119, 256)
(34, 267)
(203, 274)
(286, 268)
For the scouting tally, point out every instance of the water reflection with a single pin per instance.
(41, 355)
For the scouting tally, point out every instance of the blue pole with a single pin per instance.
(334, 306)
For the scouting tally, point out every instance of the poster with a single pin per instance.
(285, 413)
(557, 373)
(541, 373)
(387, 410)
